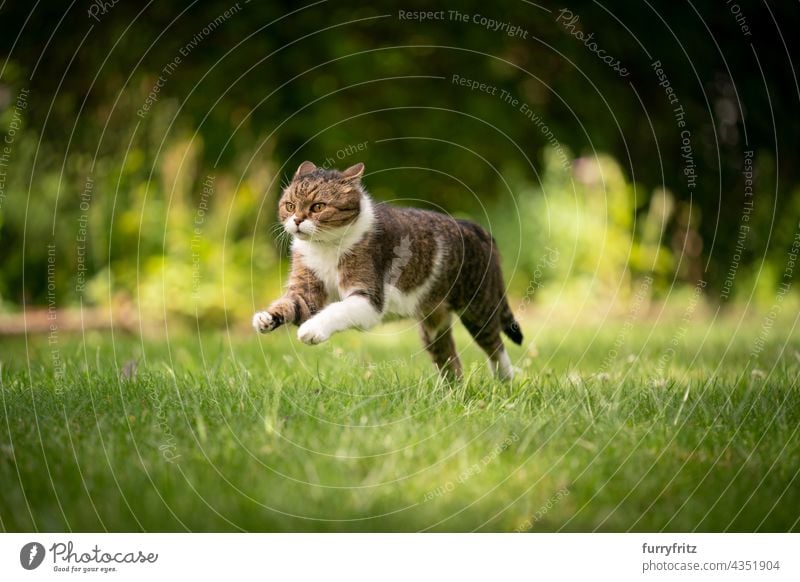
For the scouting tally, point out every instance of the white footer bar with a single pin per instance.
(389, 557)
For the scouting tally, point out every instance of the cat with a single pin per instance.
(355, 261)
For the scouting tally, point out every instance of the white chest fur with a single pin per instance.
(323, 257)
(323, 261)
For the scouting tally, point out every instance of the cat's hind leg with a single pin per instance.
(486, 333)
(437, 337)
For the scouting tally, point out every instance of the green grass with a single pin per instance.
(228, 433)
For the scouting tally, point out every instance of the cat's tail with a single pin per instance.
(510, 326)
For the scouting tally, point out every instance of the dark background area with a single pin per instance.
(277, 83)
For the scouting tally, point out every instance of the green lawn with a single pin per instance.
(228, 433)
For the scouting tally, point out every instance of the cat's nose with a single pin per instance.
(297, 221)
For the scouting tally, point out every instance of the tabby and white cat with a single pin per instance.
(355, 261)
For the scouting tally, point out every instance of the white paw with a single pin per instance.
(312, 332)
(264, 322)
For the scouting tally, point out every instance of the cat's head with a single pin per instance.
(321, 204)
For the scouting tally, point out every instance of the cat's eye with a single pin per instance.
(317, 207)
(290, 207)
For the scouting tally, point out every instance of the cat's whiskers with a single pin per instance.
(280, 236)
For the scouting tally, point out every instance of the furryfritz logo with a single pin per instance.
(31, 555)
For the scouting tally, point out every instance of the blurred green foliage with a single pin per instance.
(145, 105)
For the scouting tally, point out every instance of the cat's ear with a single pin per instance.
(305, 168)
(353, 172)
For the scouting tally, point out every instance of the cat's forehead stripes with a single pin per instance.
(309, 189)
(301, 190)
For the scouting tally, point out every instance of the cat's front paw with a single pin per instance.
(312, 332)
(263, 322)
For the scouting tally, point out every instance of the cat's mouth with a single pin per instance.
(304, 231)
(318, 235)
(309, 231)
